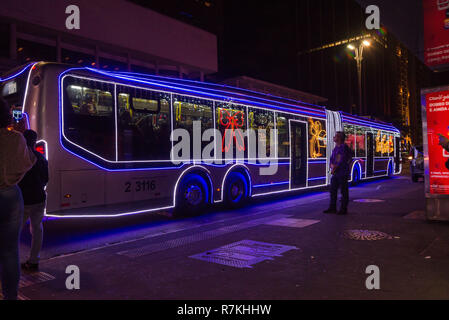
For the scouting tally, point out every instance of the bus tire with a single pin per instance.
(236, 190)
(356, 176)
(192, 196)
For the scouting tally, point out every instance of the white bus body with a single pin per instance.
(105, 136)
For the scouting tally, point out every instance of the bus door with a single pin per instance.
(369, 154)
(298, 161)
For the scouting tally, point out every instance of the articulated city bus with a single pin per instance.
(107, 136)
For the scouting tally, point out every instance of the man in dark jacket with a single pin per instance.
(340, 168)
(34, 198)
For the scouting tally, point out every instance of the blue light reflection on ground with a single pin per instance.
(67, 231)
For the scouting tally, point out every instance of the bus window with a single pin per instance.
(317, 138)
(360, 142)
(350, 137)
(188, 110)
(13, 91)
(378, 143)
(260, 120)
(143, 122)
(89, 120)
(387, 145)
(231, 121)
(390, 145)
(283, 136)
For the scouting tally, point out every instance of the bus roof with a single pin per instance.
(217, 92)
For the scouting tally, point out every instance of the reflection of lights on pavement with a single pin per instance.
(369, 200)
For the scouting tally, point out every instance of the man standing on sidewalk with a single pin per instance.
(34, 198)
(340, 166)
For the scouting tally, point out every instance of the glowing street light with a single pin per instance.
(359, 58)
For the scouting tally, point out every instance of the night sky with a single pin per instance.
(404, 18)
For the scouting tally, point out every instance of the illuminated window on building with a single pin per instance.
(89, 119)
(260, 120)
(283, 136)
(231, 121)
(112, 65)
(350, 137)
(28, 51)
(78, 58)
(140, 69)
(144, 124)
(187, 110)
(360, 141)
(317, 138)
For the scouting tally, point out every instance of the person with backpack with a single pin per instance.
(34, 198)
(340, 163)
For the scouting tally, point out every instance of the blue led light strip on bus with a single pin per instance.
(166, 80)
(148, 76)
(369, 123)
(18, 73)
(206, 91)
(298, 104)
(315, 113)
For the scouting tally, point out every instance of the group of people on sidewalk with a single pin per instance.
(23, 177)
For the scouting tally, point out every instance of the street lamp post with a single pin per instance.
(359, 58)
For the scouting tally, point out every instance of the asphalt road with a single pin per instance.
(277, 248)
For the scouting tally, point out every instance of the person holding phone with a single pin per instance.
(15, 160)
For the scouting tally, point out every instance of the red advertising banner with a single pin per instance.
(436, 32)
(438, 141)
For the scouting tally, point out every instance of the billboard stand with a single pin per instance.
(435, 115)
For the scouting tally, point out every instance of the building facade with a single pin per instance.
(113, 35)
(303, 45)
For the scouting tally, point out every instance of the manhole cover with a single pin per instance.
(366, 235)
(369, 200)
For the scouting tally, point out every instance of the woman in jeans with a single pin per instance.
(15, 161)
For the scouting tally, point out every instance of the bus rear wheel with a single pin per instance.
(192, 197)
(236, 190)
